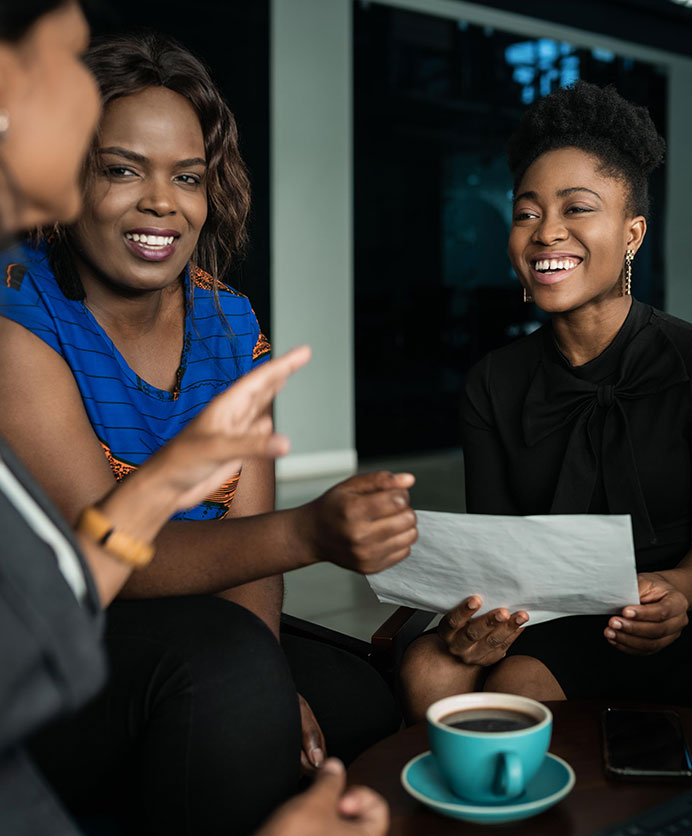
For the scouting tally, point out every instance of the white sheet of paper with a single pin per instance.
(550, 566)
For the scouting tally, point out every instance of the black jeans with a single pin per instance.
(198, 730)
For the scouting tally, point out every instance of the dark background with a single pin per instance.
(435, 101)
(232, 39)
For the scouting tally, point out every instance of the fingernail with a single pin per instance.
(616, 624)
(610, 634)
(316, 756)
(333, 765)
(629, 613)
(501, 617)
(522, 619)
(473, 604)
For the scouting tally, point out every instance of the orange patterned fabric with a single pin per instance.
(200, 278)
(262, 347)
(120, 468)
(222, 496)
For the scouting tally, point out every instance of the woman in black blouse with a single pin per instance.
(589, 414)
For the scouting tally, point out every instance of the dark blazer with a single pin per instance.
(51, 660)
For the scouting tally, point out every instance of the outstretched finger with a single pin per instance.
(389, 552)
(458, 617)
(314, 745)
(381, 530)
(253, 392)
(381, 504)
(619, 627)
(639, 646)
(507, 632)
(225, 450)
(659, 611)
(381, 480)
(479, 628)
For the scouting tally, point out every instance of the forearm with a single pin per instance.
(140, 505)
(207, 557)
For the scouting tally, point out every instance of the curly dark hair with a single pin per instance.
(596, 120)
(127, 64)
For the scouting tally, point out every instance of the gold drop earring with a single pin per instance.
(627, 274)
(527, 296)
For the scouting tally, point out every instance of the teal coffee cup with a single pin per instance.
(488, 746)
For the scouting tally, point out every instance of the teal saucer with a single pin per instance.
(553, 782)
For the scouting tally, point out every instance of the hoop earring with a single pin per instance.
(4, 122)
(527, 296)
(627, 274)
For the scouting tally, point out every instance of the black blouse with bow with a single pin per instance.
(611, 436)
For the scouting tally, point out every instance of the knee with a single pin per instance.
(228, 658)
(233, 648)
(422, 658)
(525, 676)
(428, 673)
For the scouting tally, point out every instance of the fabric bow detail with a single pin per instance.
(650, 364)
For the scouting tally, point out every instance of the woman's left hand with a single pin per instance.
(314, 750)
(656, 622)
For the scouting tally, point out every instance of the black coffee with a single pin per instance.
(489, 720)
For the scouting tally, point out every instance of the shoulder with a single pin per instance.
(229, 298)
(510, 364)
(677, 330)
(228, 316)
(30, 295)
(25, 270)
(497, 385)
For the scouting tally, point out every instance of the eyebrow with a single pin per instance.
(561, 193)
(568, 192)
(134, 157)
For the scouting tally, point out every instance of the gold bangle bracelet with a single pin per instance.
(94, 524)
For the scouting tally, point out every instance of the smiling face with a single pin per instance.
(53, 105)
(145, 208)
(570, 231)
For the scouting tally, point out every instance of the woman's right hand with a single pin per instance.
(232, 427)
(481, 640)
(328, 808)
(364, 523)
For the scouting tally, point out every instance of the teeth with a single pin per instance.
(151, 240)
(549, 264)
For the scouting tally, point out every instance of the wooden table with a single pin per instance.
(594, 803)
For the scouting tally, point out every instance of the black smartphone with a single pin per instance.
(644, 744)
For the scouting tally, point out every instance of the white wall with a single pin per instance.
(311, 235)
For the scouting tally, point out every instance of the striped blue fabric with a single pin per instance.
(130, 417)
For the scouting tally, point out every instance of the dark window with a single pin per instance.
(435, 101)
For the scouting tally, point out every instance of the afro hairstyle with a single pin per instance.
(597, 120)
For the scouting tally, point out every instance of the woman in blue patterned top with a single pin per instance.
(116, 334)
